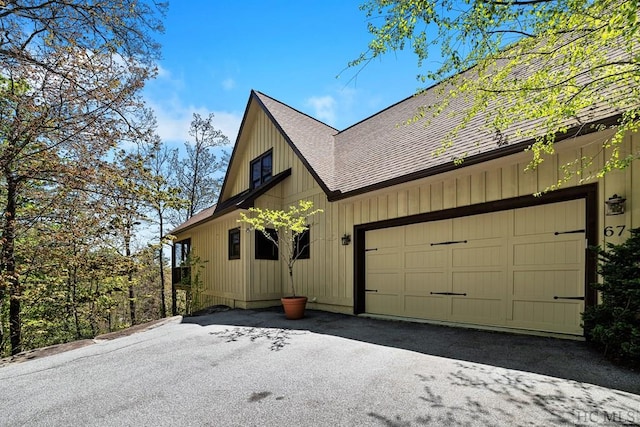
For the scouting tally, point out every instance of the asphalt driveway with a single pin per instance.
(253, 368)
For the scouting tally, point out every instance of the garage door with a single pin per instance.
(522, 268)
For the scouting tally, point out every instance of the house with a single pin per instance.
(405, 234)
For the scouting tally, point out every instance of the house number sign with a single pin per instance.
(611, 230)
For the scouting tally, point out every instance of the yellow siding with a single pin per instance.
(261, 137)
(327, 278)
(222, 280)
(495, 180)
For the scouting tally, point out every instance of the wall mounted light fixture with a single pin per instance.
(346, 239)
(615, 205)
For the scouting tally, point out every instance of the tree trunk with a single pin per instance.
(293, 289)
(74, 290)
(174, 300)
(9, 262)
(163, 304)
(132, 295)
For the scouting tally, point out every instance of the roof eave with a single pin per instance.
(575, 131)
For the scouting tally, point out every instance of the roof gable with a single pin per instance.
(310, 140)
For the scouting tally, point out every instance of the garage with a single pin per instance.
(518, 268)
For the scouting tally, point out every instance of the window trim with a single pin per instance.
(263, 178)
(231, 252)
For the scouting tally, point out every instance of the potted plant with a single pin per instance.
(289, 226)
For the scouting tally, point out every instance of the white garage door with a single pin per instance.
(522, 268)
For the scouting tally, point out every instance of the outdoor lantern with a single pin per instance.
(346, 239)
(615, 205)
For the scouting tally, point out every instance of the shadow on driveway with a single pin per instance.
(573, 360)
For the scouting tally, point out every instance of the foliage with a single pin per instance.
(614, 325)
(288, 225)
(509, 61)
(198, 175)
(161, 198)
(70, 79)
(193, 282)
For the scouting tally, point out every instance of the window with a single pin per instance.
(265, 248)
(303, 244)
(181, 251)
(261, 169)
(234, 243)
(180, 271)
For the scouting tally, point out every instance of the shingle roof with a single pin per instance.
(243, 200)
(383, 149)
(313, 139)
(201, 216)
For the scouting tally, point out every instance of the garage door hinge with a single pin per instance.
(569, 232)
(447, 293)
(449, 243)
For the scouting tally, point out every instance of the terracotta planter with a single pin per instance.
(294, 307)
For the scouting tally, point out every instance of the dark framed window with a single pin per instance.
(265, 248)
(261, 169)
(181, 251)
(234, 243)
(303, 244)
(180, 269)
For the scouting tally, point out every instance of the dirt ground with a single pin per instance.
(60, 348)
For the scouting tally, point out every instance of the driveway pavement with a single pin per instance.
(253, 368)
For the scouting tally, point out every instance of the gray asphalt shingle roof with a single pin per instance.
(382, 149)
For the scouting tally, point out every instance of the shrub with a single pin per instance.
(614, 325)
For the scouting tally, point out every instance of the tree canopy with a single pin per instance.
(71, 73)
(550, 61)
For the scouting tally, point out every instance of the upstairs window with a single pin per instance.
(265, 248)
(261, 169)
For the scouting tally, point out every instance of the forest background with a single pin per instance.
(84, 174)
(89, 190)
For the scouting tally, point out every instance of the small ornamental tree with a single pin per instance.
(614, 325)
(288, 225)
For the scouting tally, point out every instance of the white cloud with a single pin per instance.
(174, 120)
(163, 73)
(174, 115)
(228, 84)
(324, 108)
(342, 107)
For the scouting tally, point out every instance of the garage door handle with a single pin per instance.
(449, 243)
(576, 298)
(568, 232)
(371, 290)
(447, 293)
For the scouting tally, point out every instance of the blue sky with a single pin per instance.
(216, 51)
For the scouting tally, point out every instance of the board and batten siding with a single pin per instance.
(222, 280)
(327, 278)
(490, 181)
(267, 280)
(261, 137)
